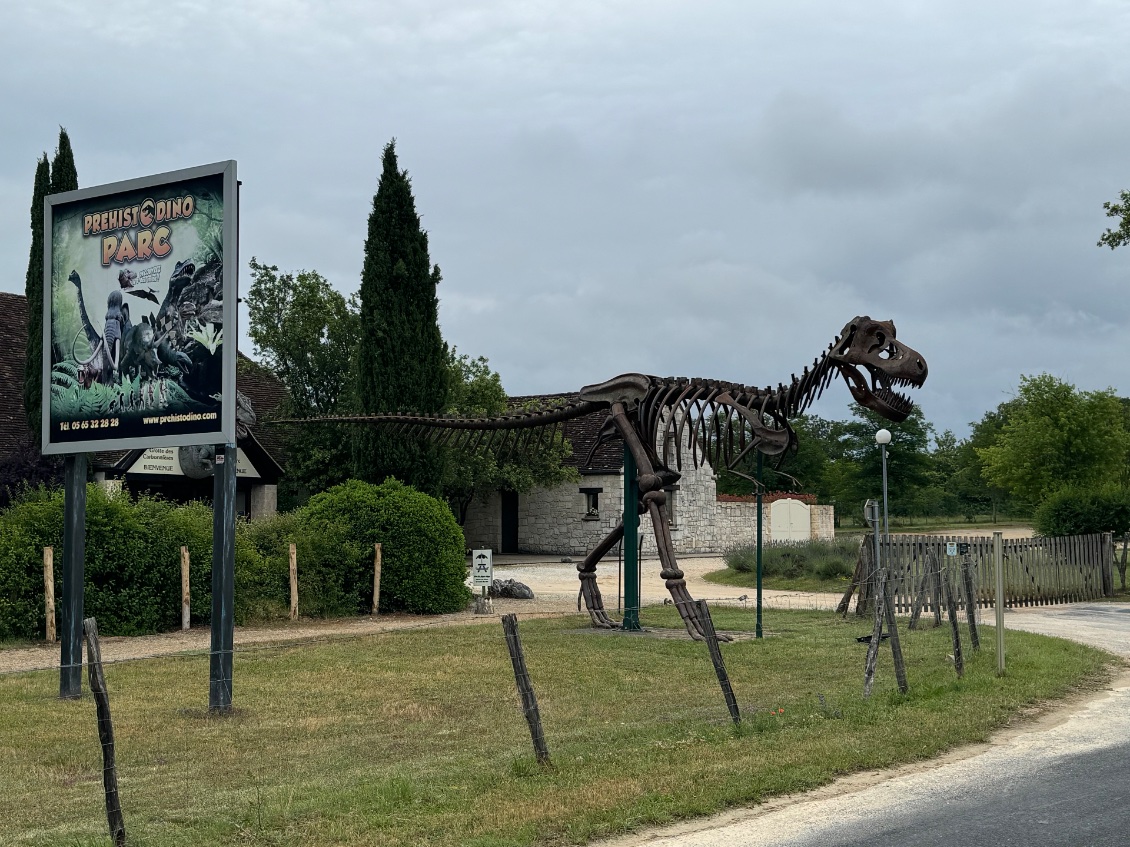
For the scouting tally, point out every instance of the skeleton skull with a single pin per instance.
(871, 345)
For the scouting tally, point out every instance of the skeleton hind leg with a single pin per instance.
(586, 572)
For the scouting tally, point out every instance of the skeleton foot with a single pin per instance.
(688, 610)
(595, 603)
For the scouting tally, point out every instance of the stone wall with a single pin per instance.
(554, 521)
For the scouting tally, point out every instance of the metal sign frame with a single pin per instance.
(221, 429)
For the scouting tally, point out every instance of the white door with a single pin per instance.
(790, 520)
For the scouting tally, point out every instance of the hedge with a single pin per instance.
(132, 570)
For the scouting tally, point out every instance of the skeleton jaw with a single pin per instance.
(879, 396)
(871, 345)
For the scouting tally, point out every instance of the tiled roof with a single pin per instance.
(264, 389)
(13, 331)
(582, 434)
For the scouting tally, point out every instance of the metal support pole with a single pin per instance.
(758, 633)
(223, 581)
(998, 603)
(74, 555)
(631, 620)
(886, 521)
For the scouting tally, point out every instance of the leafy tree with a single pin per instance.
(805, 470)
(1121, 210)
(975, 492)
(402, 360)
(33, 289)
(1056, 437)
(476, 391)
(306, 333)
(908, 461)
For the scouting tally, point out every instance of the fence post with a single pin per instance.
(376, 576)
(525, 687)
(892, 625)
(951, 606)
(49, 592)
(1107, 564)
(998, 566)
(293, 556)
(970, 600)
(185, 592)
(105, 733)
(711, 636)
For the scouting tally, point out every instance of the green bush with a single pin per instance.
(819, 558)
(423, 554)
(132, 564)
(1075, 511)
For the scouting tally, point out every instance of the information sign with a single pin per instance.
(482, 568)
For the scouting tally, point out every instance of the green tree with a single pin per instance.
(908, 461)
(1119, 209)
(476, 391)
(1055, 437)
(805, 470)
(975, 492)
(402, 360)
(33, 289)
(306, 333)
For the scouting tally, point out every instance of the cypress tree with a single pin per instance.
(402, 358)
(64, 176)
(33, 289)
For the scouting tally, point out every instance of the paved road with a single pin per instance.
(1065, 781)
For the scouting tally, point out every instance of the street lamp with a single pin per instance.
(883, 438)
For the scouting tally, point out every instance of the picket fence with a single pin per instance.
(1037, 571)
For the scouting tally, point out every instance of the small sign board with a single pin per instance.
(951, 548)
(482, 568)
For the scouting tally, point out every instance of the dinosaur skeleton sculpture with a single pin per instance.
(658, 418)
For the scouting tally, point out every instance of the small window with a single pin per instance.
(592, 503)
(672, 499)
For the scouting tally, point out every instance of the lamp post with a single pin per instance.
(883, 438)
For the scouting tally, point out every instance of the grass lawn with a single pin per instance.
(743, 579)
(416, 736)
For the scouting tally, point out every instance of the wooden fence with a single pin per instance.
(1037, 571)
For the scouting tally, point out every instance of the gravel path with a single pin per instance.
(555, 588)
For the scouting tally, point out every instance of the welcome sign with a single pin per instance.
(139, 319)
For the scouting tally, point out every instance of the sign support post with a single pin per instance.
(223, 582)
(74, 555)
(631, 622)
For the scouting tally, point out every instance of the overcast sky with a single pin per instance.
(696, 188)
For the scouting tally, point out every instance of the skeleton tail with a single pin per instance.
(519, 428)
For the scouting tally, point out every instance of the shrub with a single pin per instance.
(818, 558)
(131, 571)
(1075, 511)
(423, 553)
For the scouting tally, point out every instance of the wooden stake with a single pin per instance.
(293, 583)
(970, 600)
(707, 624)
(998, 573)
(105, 733)
(49, 591)
(376, 577)
(892, 628)
(951, 605)
(525, 687)
(185, 594)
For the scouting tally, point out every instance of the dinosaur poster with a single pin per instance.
(139, 300)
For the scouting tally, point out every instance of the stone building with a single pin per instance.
(572, 518)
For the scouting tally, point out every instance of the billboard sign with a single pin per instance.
(139, 313)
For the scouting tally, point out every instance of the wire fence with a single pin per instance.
(377, 723)
(353, 727)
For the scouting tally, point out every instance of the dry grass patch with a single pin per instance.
(416, 736)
